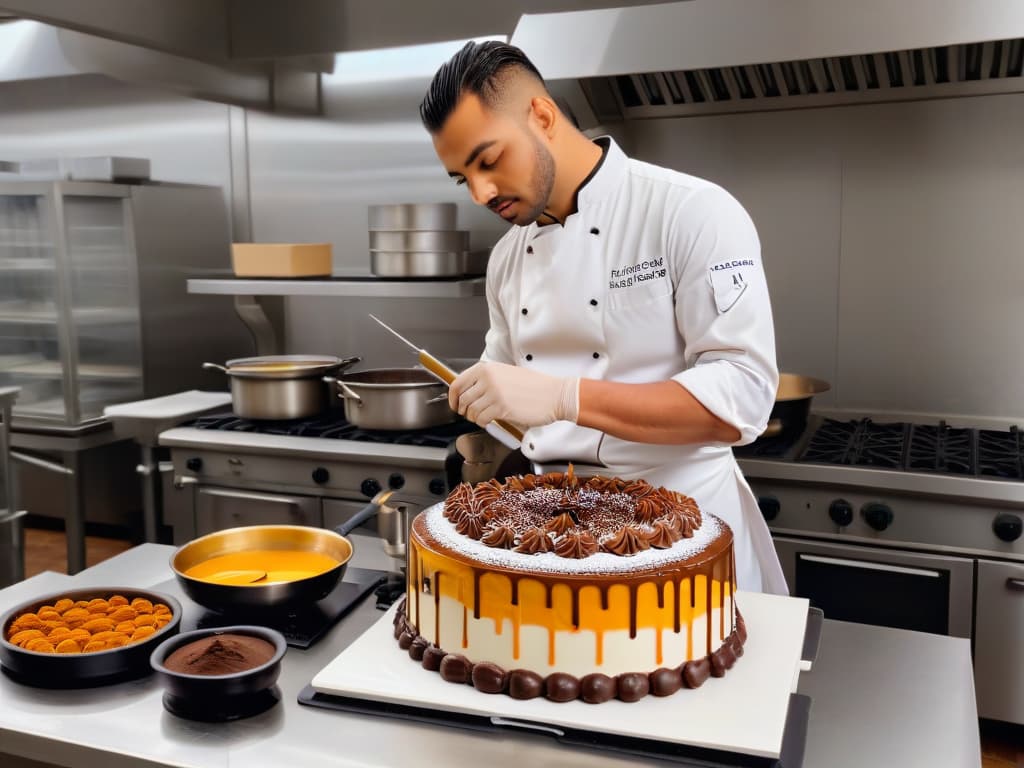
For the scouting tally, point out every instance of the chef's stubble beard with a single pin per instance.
(542, 183)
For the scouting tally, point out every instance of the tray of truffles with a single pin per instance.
(596, 610)
(85, 637)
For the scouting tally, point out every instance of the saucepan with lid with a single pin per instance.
(268, 566)
(281, 386)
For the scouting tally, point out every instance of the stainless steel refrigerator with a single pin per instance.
(94, 311)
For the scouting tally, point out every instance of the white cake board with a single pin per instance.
(744, 712)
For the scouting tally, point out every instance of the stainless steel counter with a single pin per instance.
(880, 697)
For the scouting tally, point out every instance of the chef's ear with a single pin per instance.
(545, 114)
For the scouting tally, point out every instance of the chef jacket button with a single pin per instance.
(593, 302)
(525, 311)
(529, 249)
(597, 355)
(529, 357)
(595, 231)
(531, 446)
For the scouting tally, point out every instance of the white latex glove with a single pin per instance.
(489, 391)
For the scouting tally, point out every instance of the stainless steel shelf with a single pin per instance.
(83, 315)
(341, 286)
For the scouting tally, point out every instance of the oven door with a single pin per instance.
(889, 588)
(220, 508)
(998, 666)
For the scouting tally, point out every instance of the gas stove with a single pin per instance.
(229, 471)
(325, 454)
(906, 525)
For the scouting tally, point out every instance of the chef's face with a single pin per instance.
(500, 155)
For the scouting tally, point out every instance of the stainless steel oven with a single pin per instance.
(871, 585)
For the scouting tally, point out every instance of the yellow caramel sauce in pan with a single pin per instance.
(278, 565)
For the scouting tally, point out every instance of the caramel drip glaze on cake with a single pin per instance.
(644, 611)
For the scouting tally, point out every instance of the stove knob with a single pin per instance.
(321, 475)
(841, 512)
(195, 464)
(769, 506)
(369, 487)
(395, 481)
(878, 515)
(438, 486)
(1007, 527)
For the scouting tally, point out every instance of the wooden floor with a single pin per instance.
(47, 550)
(1001, 747)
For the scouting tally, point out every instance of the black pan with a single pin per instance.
(84, 670)
(793, 405)
(272, 595)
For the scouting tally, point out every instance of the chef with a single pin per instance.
(630, 327)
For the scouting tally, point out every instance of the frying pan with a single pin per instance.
(277, 594)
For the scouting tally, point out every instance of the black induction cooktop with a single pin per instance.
(302, 626)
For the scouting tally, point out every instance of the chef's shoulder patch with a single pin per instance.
(729, 280)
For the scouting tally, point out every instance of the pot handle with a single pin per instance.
(364, 514)
(345, 393)
(215, 366)
(348, 362)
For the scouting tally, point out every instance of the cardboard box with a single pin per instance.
(281, 259)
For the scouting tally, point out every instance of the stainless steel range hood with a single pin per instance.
(712, 56)
(32, 50)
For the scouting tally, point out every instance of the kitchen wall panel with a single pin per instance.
(891, 237)
(790, 185)
(932, 275)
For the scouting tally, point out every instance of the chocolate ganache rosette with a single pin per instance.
(571, 516)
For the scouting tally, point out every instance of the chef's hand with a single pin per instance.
(489, 391)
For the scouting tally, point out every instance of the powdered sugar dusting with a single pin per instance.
(441, 529)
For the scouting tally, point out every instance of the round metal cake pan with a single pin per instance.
(402, 264)
(413, 216)
(84, 670)
(428, 240)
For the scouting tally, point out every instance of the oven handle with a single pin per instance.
(870, 566)
(1017, 585)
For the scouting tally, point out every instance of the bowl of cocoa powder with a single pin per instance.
(220, 673)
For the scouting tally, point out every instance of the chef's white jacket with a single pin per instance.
(657, 276)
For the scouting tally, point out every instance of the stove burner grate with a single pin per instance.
(879, 445)
(334, 426)
(919, 448)
(858, 443)
(1001, 454)
(941, 449)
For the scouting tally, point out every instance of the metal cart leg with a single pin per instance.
(74, 525)
(152, 492)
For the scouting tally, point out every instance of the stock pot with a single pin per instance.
(281, 386)
(394, 398)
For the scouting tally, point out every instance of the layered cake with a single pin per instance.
(565, 587)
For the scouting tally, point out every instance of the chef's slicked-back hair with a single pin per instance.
(480, 69)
